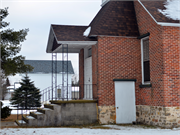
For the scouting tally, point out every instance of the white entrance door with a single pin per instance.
(88, 78)
(125, 101)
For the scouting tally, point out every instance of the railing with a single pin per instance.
(64, 93)
(83, 91)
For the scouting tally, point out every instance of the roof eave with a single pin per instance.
(74, 46)
(160, 23)
(169, 24)
(52, 36)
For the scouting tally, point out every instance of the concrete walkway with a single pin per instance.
(8, 124)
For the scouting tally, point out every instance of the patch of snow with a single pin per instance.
(21, 121)
(14, 109)
(30, 117)
(38, 113)
(17, 85)
(121, 130)
(22, 111)
(6, 103)
(87, 32)
(172, 9)
(46, 109)
(10, 87)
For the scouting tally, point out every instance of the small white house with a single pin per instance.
(42, 73)
(8, 95)
(10, 91)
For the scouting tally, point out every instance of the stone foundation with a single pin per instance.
(167, 117)
(107, 114)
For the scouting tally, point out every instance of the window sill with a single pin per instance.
(145, 85)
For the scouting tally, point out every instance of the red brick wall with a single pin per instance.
(94, 70)
(118, 58)
(154, 95)
(164, 61)
(171, 61)
(81, 73)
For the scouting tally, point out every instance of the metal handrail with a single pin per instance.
(83, 91)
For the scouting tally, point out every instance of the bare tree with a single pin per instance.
(75, 80)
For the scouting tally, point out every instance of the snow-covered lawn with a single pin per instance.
(14, 111)
(115, 130)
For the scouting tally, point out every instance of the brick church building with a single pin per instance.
(130, 55)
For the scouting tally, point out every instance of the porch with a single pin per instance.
(65, 44)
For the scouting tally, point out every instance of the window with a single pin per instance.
(89, 52)
(145, 60)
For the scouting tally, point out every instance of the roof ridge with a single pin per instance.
(46, 66)
(46, 60)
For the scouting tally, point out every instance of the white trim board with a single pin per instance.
(169, 24)
(78, 42)
(142, 63)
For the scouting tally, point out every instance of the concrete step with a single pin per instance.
(48, 116)
(44, 110)
(30, 120)
(37, 115)
(21, 123)
(50, 106)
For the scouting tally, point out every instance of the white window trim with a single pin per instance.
(142, 63)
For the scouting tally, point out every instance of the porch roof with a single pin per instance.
(71, 35)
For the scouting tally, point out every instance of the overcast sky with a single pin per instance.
(38, 15)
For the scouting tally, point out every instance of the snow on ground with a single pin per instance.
(119, 130)
(172, 9)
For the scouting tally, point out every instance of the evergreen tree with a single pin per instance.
(26, 96)
(10, 43)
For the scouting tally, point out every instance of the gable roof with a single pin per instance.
(70, 33)
(45, 66)
(116, 18)
(153, 6)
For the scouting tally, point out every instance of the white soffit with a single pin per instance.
(74, 46)
(78, 42)
(169, 24)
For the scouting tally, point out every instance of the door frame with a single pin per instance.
(125, 80)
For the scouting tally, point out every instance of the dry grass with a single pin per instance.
(12, 117)
(101, 127)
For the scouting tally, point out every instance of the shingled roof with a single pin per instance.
(153, 6)
(70, 33)
(45, 66)
(116, 18)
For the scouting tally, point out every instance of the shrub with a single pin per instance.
(5, 111)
